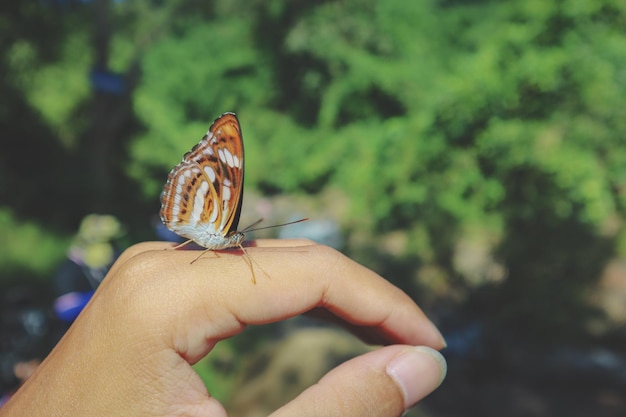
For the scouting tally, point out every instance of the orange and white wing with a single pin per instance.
(203, 193)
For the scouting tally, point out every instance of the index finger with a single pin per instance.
(338, 287)
(300, 277)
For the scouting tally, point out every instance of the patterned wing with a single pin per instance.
(203, 193)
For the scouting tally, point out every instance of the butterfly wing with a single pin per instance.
(203, 193)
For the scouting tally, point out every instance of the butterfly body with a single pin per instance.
(208, 239)
(202, 197)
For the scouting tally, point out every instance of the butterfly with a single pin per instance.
(202, 198)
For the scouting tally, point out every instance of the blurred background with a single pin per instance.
(471, 152)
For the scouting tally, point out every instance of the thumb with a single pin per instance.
(384, 383)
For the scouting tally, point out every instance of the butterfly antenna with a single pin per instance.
(252, 229)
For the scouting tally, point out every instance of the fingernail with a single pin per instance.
(443, 342)
(418, 371)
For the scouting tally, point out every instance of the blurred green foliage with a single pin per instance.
(27, 247)
(441, 120)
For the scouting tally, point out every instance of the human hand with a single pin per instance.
(131, 349)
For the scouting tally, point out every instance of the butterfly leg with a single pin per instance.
(202, 253)
(185, 243)
(249, 262)
(247, 258)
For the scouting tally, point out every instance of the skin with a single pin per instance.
(130, 351)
